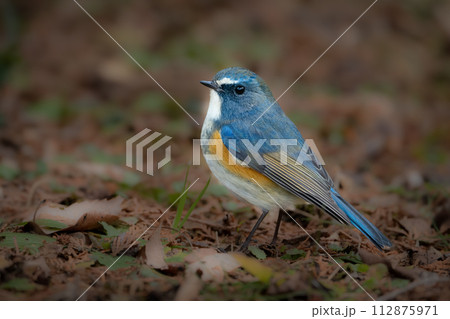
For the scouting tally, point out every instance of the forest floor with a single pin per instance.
(65, 117)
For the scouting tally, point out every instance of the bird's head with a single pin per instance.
(237, 91)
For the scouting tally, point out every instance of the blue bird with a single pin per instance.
(257, 152)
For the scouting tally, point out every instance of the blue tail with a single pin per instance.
(362, 223)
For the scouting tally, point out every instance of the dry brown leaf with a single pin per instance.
(122, 242)
(410, 273)
(426, 256)
(417, 228)
(154, 252)
(213, 267)
(81, 216)
(199, 254)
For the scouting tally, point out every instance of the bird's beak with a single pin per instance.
(212, 85)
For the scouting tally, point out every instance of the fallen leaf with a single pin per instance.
(50, 224)
(113, 262)
(112, 231)
(123, 241)
(293, 254)
(403, 272)
(417, 228)
(82, 216)
(154, 252)
(19, 284)
(198, 254)
(427, 256)
(257, 252)
(22, 241)
(213, 267)
(254, 267)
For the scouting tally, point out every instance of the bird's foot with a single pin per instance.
(244, 247)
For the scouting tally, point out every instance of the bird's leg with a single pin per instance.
(277, 227)
(249, 237)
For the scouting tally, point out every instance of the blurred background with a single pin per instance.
(377, 104)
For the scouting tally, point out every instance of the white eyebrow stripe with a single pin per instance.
(226, 81)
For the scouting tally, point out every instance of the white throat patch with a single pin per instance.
(215, 106)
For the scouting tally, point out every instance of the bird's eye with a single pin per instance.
(239, 89)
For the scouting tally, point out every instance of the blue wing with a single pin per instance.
(308, 180)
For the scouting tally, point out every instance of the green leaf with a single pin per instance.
(258, 253)
(119, 262)
(50, 224)
(31, 242)
(19, 284)
(177, 258)
(112, 231)
(352, 258)
(293, 254)
(8, 173)
(335, 247)
(362, 267)
(295, 251)
(148, 272)
(369, 283)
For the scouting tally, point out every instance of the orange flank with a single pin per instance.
(230, 164)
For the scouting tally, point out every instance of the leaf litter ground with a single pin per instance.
(63, 264)
(379, 119)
